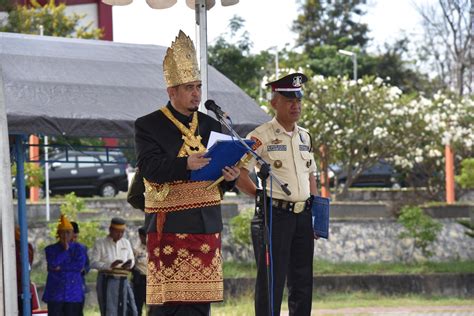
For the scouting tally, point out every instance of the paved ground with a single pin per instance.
(398, 311)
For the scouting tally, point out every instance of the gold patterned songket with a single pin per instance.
(184, 268)
(192, 143)
(179, 195)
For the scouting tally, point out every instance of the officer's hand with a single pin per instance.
(316, 236)
(230, 173)
(197, 161)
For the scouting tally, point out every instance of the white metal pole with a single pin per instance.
(46, 157)
(8, 290)
(201, 22)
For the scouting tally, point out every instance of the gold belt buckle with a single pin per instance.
(299, 207)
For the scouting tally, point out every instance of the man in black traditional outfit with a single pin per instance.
(183, 217)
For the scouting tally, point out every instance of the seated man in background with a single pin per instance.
(113, 257)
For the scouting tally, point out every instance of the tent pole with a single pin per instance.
(20, 182)
(8, 300)
(201, 21)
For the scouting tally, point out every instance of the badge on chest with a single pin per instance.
(276, 148)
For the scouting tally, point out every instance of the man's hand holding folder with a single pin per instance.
(224, 153)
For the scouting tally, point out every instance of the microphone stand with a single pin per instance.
(263, 174)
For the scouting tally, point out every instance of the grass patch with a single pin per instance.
(321, 267)
(371, 299)
(234, 269)
(245, 304)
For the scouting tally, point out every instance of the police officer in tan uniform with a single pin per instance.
(287, 148)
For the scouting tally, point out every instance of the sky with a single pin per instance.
(267, 21)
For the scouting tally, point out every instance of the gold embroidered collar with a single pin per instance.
(192, 143)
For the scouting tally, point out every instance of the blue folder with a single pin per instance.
(223, 153)
(320, 210)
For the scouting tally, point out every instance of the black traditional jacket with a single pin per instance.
(157, 143)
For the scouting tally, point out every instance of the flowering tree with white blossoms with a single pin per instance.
(353, 121)
(443, 119)
(360, 123)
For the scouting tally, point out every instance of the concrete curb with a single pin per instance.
(445, 284)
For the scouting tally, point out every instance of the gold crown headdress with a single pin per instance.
(64, 223)
(180, 63)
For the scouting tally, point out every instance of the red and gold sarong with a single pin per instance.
(184, 268)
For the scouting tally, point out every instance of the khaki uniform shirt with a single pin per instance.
(290, 157)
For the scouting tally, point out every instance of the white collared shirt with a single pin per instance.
(106, 251)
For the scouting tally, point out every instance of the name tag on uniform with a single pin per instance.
(276, 148)
(304, 148)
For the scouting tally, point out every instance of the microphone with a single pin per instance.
(212, 106)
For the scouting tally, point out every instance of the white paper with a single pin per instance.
(215, 136)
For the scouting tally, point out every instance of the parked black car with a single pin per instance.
(88, 173)
(382, 174)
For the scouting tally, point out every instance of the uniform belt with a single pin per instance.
(293, 207)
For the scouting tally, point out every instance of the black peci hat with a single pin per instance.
(117, 223)
(75, 227)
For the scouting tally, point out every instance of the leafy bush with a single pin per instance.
(240, 227)
(89, 231)
(34, 174)
(466, 178)
(419, 227)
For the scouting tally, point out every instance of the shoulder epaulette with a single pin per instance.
(263, 127)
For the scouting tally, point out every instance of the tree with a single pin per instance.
(53, 18)
(363, 122)
(349, 118)
(434, 122)
(448, 43)
(392, 63)
(236, 62)
(331, 22)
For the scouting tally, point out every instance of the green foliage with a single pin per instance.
(72, 206)
(34, 174)
(466, 178)
(419, 227)
(335, 23)
(53, 18)
(75, 141)
(89, 231)
(232, 58)
(240, 227)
